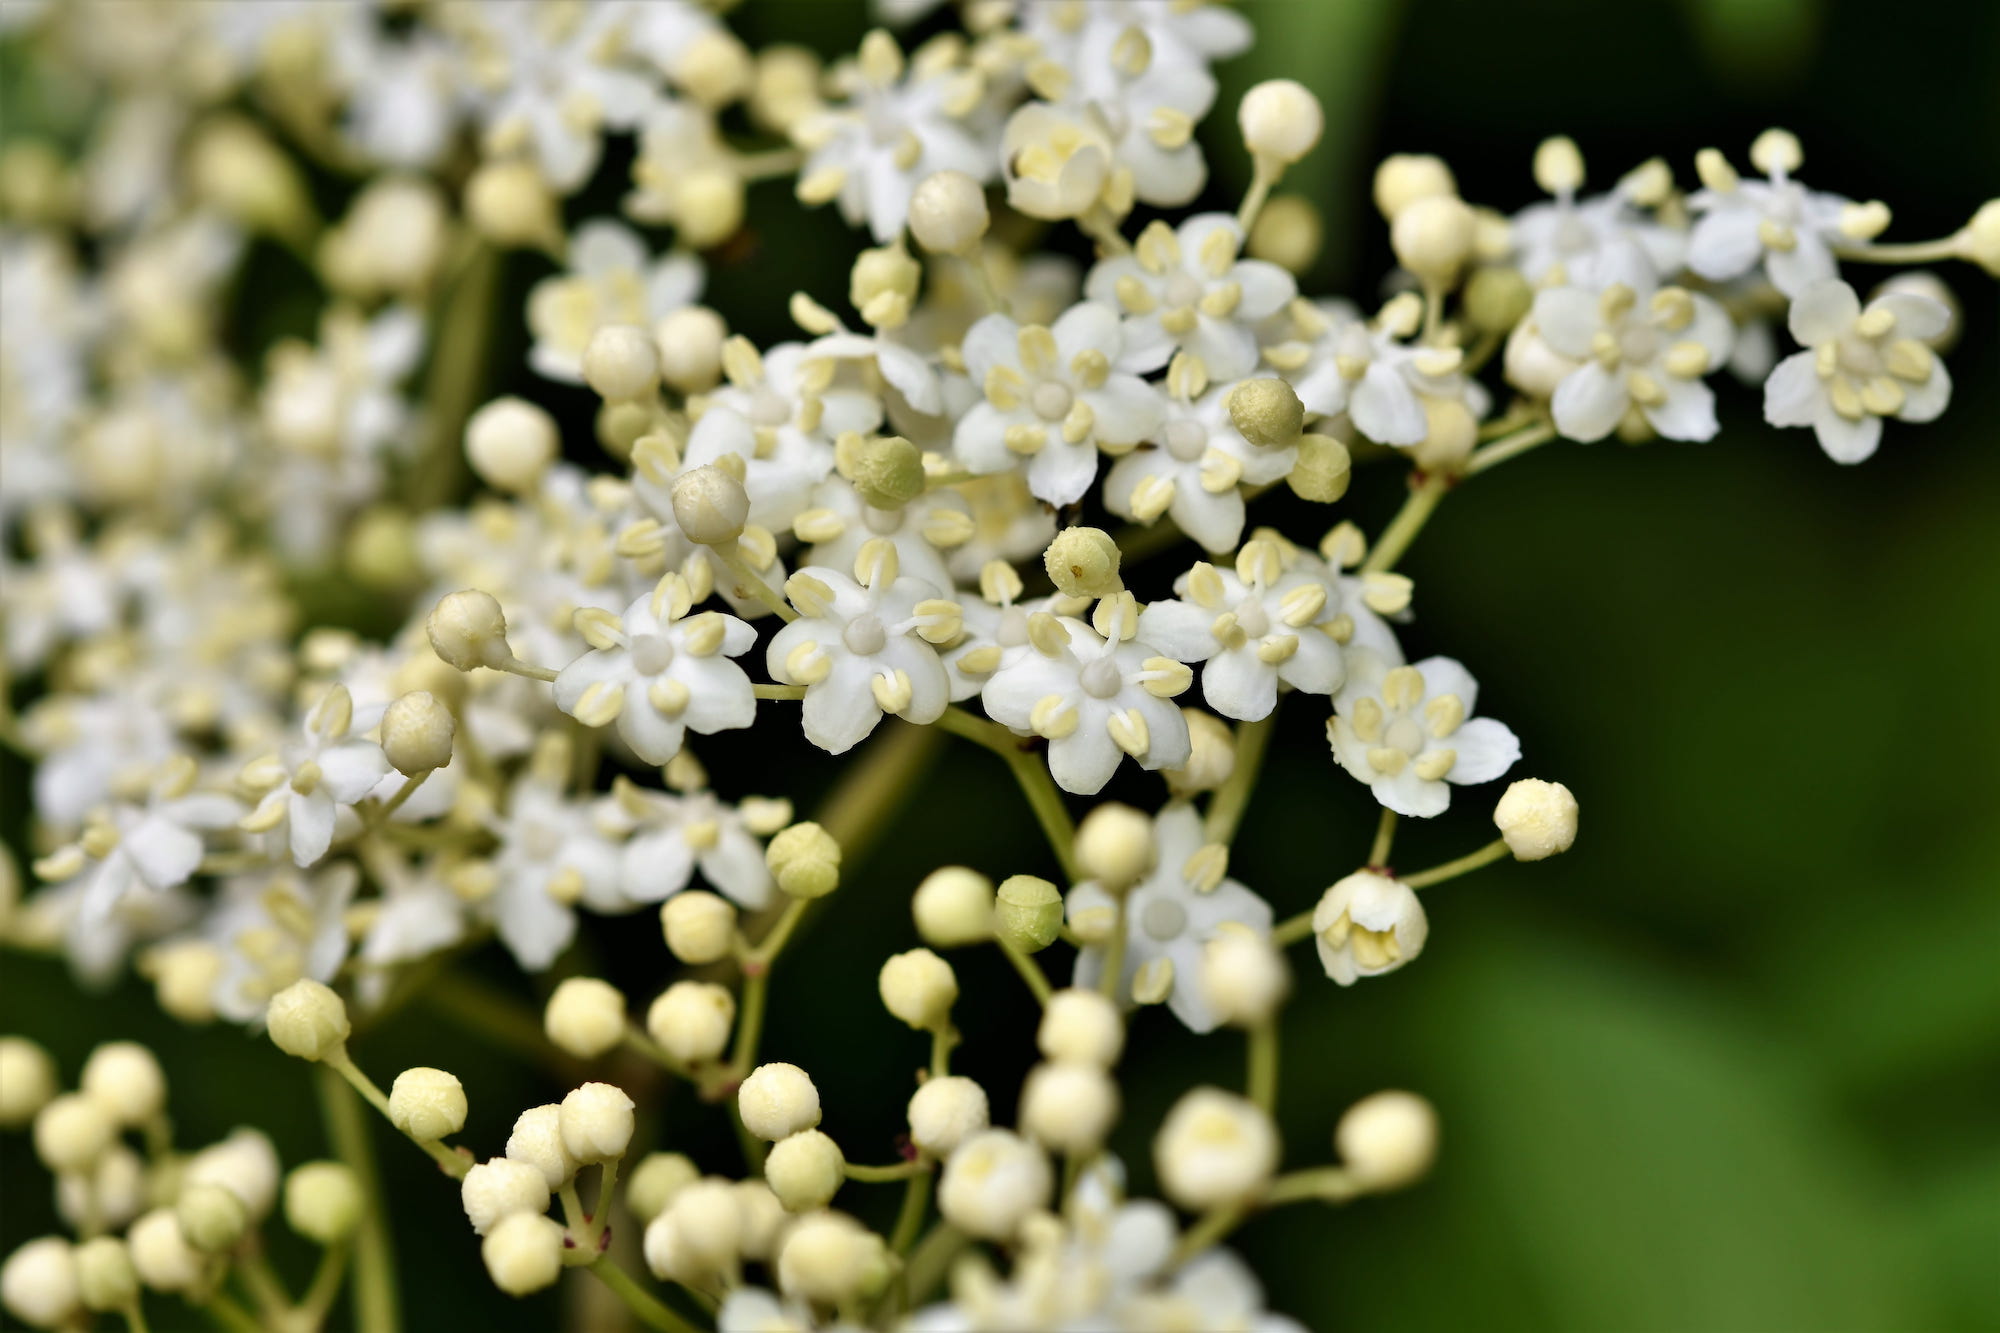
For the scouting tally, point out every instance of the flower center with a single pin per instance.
(1183, 288)
(1405, 734)
(540, 841)
(882, 522)
(1639, 343)
(651, 653)
(1100, 678)
(1251, 618)
(1013, 631)
(864, 635)
(1186, 440)
(769, 408)
(1163, 919)
(1052, 400)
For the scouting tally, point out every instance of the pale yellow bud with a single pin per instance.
(1267, 412)
(323, 1201)
(523, 1253)
(381, 548)
(238, 169)
(1433, 236)
(689, 343)
(993, 1182)
(510, 205)
(948, 213)
(655, 1181)
(1083, 562)
(468, 630)
(537, 1141)
(1537, 819)
(700, 926)
(887, 272)
(1980, 240)
(691, 1020)
(887, 470)
(944, 1112)
(1244, 976)
(585, 1017)
(104, 1275)
(1322, 471)
(38, 1283)
(805, 860)
(597, 1122)
(308, 1020)
(1281, 121)
(777, 1101)
(1115, 847)
(27, 1081)
(710, 505)
(708, 206)
(417, 732)
(1081, 1026)
(1215, 1149)
(1212, 756)
(1028, 913)
(72, 1132)
(831, 1259)
(427, 1104)
(1496, 299)
(1068, 1107)
(805, 1170)
(498, 1188)
(1388, 1140)
(621, 364)
(211, 1217)
(161, 1254)
(126, 1080)
(184, 974)
(1288, 232)
(953, 907)
(918, 987)
(1403, 179)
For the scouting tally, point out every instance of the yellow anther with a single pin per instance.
(1908, 359)
(892, 690)
(1158, 250)
(981, 660)
(1302, 604)
(1259, 562)
(1604, 349)
(641, 539)
(1090, 368)
(1135, 296)
(939, 620)
(740, 362)
(1180, 320)
(1221, 300)
(1205, 869)
(1437, 361)
(1277, 649)
(1846, 400)
(1616, 302)
(1050, 79)
(1882, 396)
(655, 458)
(1048, 635)
(98, 841)
(1875, 322)
(758, 547)
(1116, 616)
(599, 628)
(1403, 688)
(601, 702)
(818, 525)
(909, 150)
(1220, 471)
(1687, 360)
(1340, 629)
(821, 186)
(1078, 424)
(1444, 714)
(1026, 440)
(1187, 376)
(999, 583)
(565, 886)
(1132, 52)
(1864, 222)
(702, 635)
(1645, 390)
(1434, 764)
(702, 834)
(1386, 594)
(1775, 235)
(1218, 252)
(265, 817)
(1154, 981)
(1367, 720)
(1129, 732)
(1826, 360)
(810, 595)
(1168, 677)
(67, 863)
(1005, 388)
(1052, 717)
(877, 562)
(1152, 497)
(807, 665)
(669, 698)
(1037, 347)
(1714, 170)
(1169, 127)
(945, 528)
(1387, 761)
(1205, 586)
(1343, 546)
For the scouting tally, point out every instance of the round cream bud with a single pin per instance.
(427, 1104)
(308, 1020)
(1069, 1107)
(620, 363)
(948, 213)
(953, 906)
(1081, 1026)
(184, 974)
(510, 443)
(1267, 413)
(887, 471)
(691, 1020)
(1211, 753)
(708, 206)
(707, 1214)
(710, 505)
(1288, 232)
(1432, 237)
(523, 1253)
(654, 1182)
(498, 1188)
(27, 1081)
(1537, 819)
(1320, 473)
(1115, 847)
(212, 1218)
(689, 343)
(1980, 239)
(714, 68)
(1497, 298)
(1028, 912)
(104, 1275)
(509, 204)
(392, 237)
(109, 1195)
(1559, 165)
(1214, 1149)
(1388, 1140)
(1083, 562)
(245, 1164)
(597, 1122)
(1281, 120)
(38, 1283)
(126, 1080)
(1403, 179)
(805, 1170)
(777, 1101)
(417, 732)
(945, 1111)
(71, 1132)
(700, 926)
(585, 1017)
(805, 860)
(992, 1183)
(468, 629)
(160, 1252)
(323, 1201)
(918, 987)
(832, 1259)
(1243, 976)
(667, 1255)
(764, 1219)
(537, 1140)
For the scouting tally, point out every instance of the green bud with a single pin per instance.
(1030, 912)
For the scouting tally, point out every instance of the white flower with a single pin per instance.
(1636, 350)
(1194, 470)
(1097, 698)
(1169, 916)
(1254, 627)
(1185, 288)
(840, 522)
(1776, 222)
(862, 647)
(1337, 362)
(673, 835)
(995, 629)
(316, 779)
(339, 399)
(1367, 924)
(1595, 242)
(780, 413)
(1052, 397)
(416, 916)
(612, 279)
(551, 856)
(1006, 524)
(897, 125)
(659, 672)
(86, 745)
(402, 107)
(152, 847)
(275, 928)
(1408, 730)
(1859, 366)
(69, 590)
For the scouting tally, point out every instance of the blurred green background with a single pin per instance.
(1732, 1063)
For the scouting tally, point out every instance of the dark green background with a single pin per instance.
(1729, 1064)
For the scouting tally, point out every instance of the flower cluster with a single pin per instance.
(946, 506)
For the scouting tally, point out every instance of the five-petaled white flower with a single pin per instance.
(658, 671)
(1186, 289)
(673, 834)
(1195, 472)
(1776, 222)
(1337, 362)
(552, 855)
(1859, 366)
(1635, 350)
(309, 783)
(1367, 924)
(612, 279)
(1406, 731)
(145, 850)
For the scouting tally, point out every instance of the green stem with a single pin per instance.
(457, 372)
(266, 1291)
(1485, 856)
(1508, 447)
(1113, 980)
(916, 1202)
(229, 1314)
(1328, 1184)
(1226, 810)
(753, 583)
(1213, 1226)
(1293, 929)
(932, 1259)
(1906, 252)
(135, 1318)
(600, 1213)
(1385, 838)
(1030, 970)
(1409, 521)
(1033, 776)
(1263, 1073)
(878, 1174)
(779, 691)
(452, 1163)
(646, 1307)
(374, 1276)
(325, 1285)
(942, 1040)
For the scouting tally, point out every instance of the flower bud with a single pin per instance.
(1320, 473)
(1980, 240)
(919, 987)
(390, 241)
(72, 1132)
(763, 1220)
(1922, 282)
(417, 732)
(1214, 1149)
(777, 1100)
(211, 1217)
(161, 1254)
(953, 906)
(104, 1276)
(245, 1164)
(109, 1195)
(498, 1188)
(710, 505)
(700, 926)
(708, 1215)
(708, 206)
(992, 1183)
(1288, 232)
(887, 471)
(883, 285)
(1388, 1140)
(510, 205)
(523, 1253)
(235, 167)
(427, 1104)
(1243, 976)
(1212, 748)
(468, 630)
(1281, 121)
(805, 1170)
(654, 1182)
(621, 364)
(689, 343)
(308, 1020)
(323, 1202)
(597, 1123)
(27, 1081)
(184, 974)
(1538, 819)
(1028, 913)
(945, 1111)
(38, 1283)
(1433, 237)
(1068, 1108)
(1115, 847)
(1497, 298)
(832, 1259)
(948, 214)
(537, 1140)
(1403, 179)
(805, 860)
(1083, 562)
(126, 1080)
(1081, 1026)
(1267, 413)
(691, 1020)
(510, 443)
(585, 1017)
(1366, 924)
